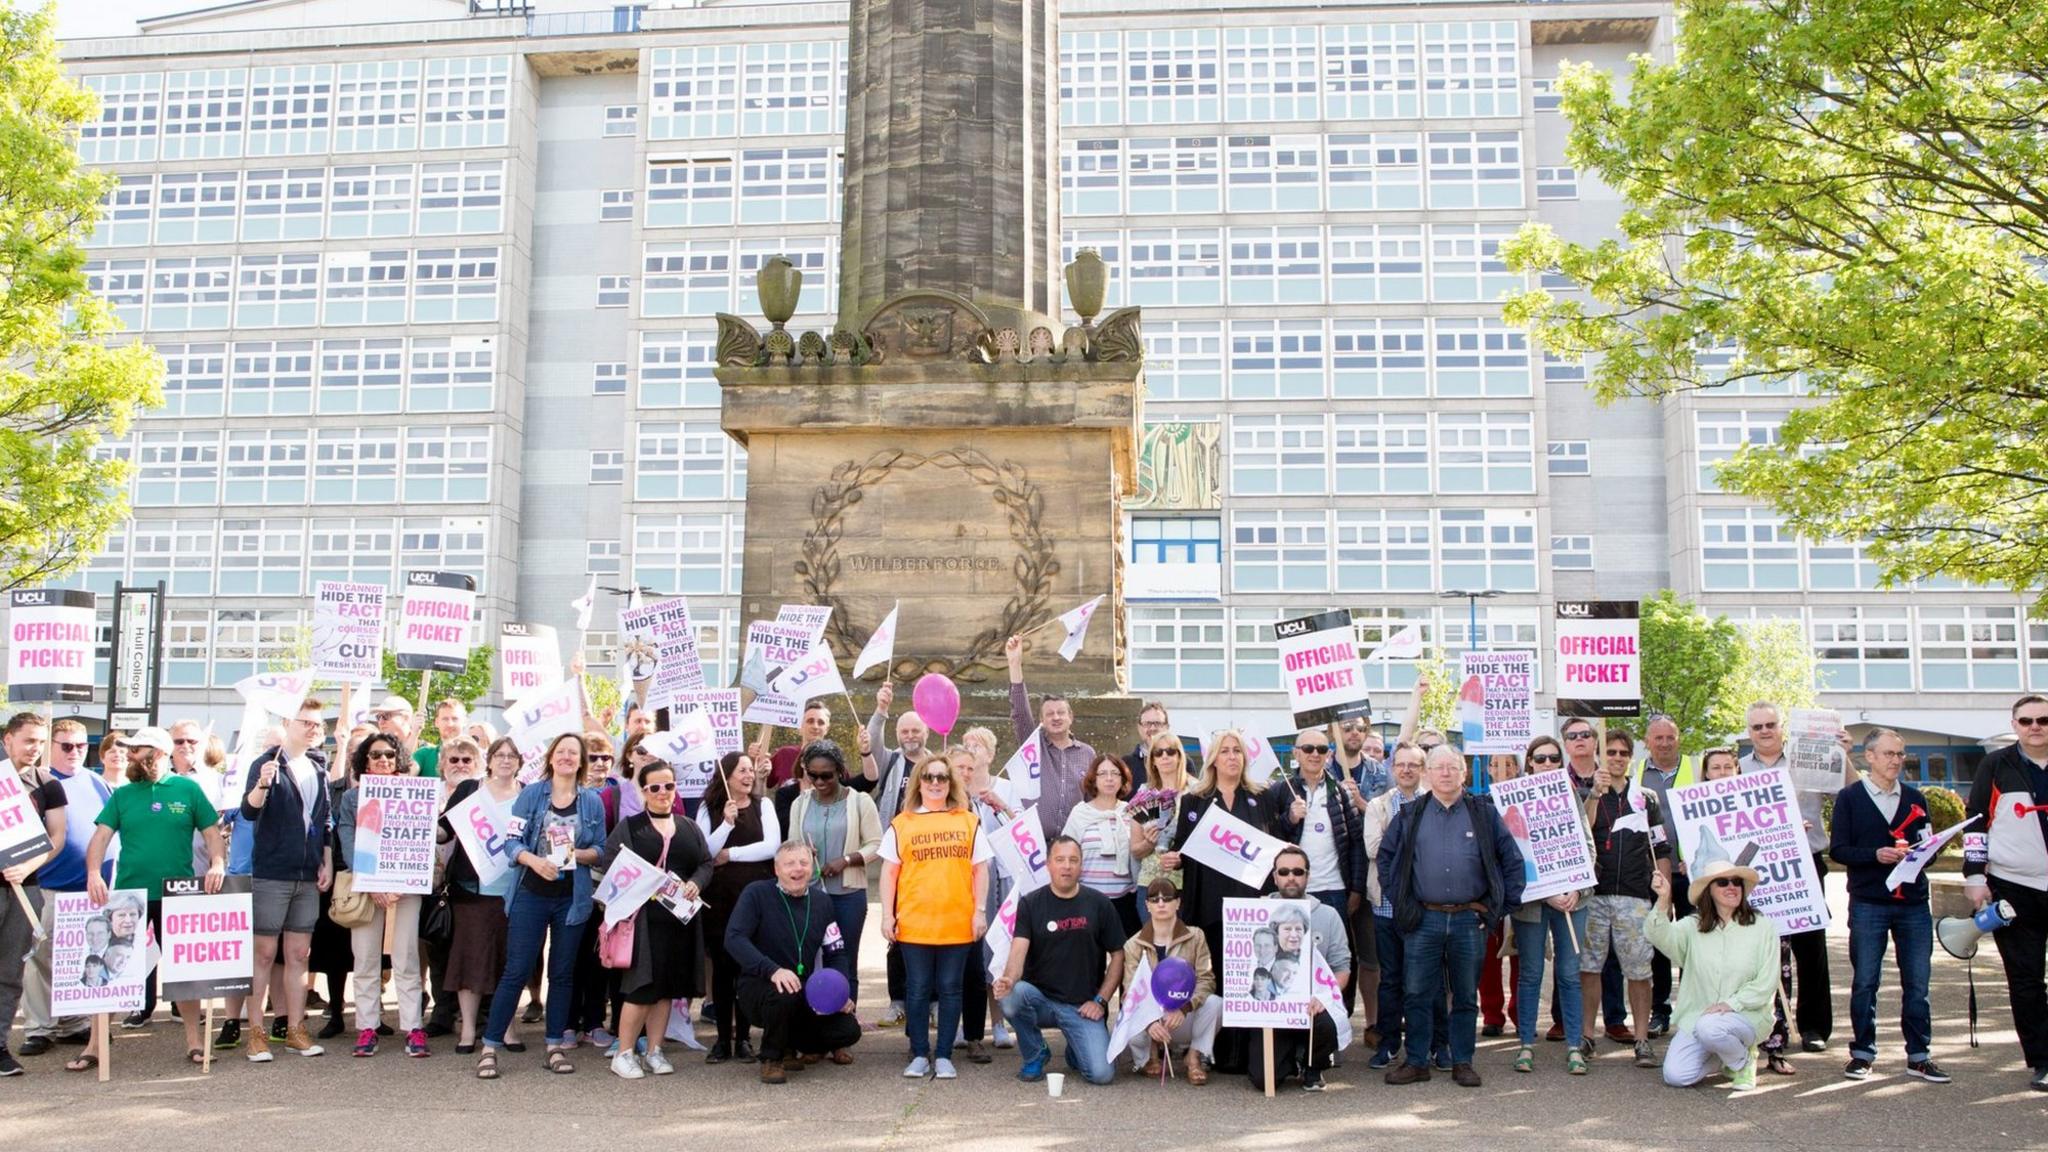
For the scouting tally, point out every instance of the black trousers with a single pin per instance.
(895, 965)
(1814, 1015)
(437, 984)
(2021, 948)
(788, 1026)
(974, 996)
(1291, 1049)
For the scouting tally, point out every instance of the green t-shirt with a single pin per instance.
(428, 759)
(156, 823)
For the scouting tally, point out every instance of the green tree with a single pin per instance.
(1439, 708)
(1686, 658)
(1852, 193)
(63, 389)
(469, 685)
(1774, 663)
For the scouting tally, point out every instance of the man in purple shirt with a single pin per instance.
(1065, 761)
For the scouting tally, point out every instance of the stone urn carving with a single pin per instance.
(779, 284)
(1087, 282)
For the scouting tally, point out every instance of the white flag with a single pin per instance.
(815, 674)
(690, 739)
(1076, 624)
(1002, 932)
(1260, 761)
(1026, 767)
(1232, 847)
(584, 606)
(627, 886)
(278, 693)
(881, 647)
(1403, 645)
(1141, 1009)
(1332, 995)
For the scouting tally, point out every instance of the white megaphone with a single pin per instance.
(1959, 935)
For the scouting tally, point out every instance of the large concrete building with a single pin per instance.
(435, 288)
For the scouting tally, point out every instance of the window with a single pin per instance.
(360, 376)
(1383, 550)
(1176, 266)
(199, 208)
(1973, 649)
(272, 378)
(1471, 69)
(1254, 650)
(191, 292)
(363, 550)
(1278, 455)
(1171, 76)
(785, 185)
(1276, 265)
(247, 641)
(602, 558)
(455, 285)
(1746, 549)
(1376, 264)
(465, 196)
(689, 192)
(675, 369)
(203, 113)
(1176, 540)
(686, 461)
(1091, 78)
(787, 89)
(1379, 358)
(1280, 551)
(447, 464)
(178, 552)
(1571, 553)
(377, 106)
(1465, 262)
(186, 644)
(1379, 453)
(1559, 372)
(1091, 177)
(1484, 452)
(608, 379)
(1371, 72)
(122, 284)
(1560, 183)
(285, 204)
(366, 287)
(1863, 649)
(195, 379)
(126, 130)
(466, 101)
(608, 466)
(1178, 174)
(1276, 360)
(451, 374)
(370, 200)
(1723, 366)
(692, 278)
(621, 120)
(614, 291)
(1839, 566)
(177, 469)
(1488, 548)
(1544, 94)
(1270, 74)
(1475, 169)
(681, 555)
(694, 92)
(615, 206)
(125, 214)
(265, 467)
(1177, 649)
(290, 109)
(355, 466)
(1571, 458)
(1723, 433)
(1184, 360)
(447, 543)
(1476, 357)
(280, 291)
(1375, 172)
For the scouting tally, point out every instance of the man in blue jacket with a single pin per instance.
(285, 813)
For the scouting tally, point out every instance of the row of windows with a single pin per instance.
(329, 377)
(687, 460)
(1749, 549)
(1381, 453)
(698, 554)
(747, 186)
(300, 289)
(283, 557)
(298, 110)
(419, 464)
(1352, 549)
(719, 90)
(697, 278)
(263, 204)
(1214, 649)
(1343, 358)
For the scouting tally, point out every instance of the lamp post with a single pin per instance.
(1480, 783)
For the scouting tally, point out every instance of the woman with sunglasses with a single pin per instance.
(934, 883)
(742, 829)
(1153, 838)
(665, 949)
(1192, 1028)
(476, 951)
(845, 834)
(1562, 921)
(1729, 953)
(1721, 764)
(381, 755)
(1204, 889)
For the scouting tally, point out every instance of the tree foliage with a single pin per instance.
(1439, 705)
(1687, 656)
(1852, 194)
(63, 389)
(1773, 663)
(469, 685)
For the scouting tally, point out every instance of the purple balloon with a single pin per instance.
(1173, 982)
(937, 702)
(826, 991)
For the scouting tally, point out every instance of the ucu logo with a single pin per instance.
(1234, 843)
(1027, 846)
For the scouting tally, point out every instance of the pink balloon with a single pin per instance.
(937, 702)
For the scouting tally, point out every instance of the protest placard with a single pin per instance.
(208, 946)
(1497, 705)
(809, 619)
(50, 644)
(1232, 847)
(99, 955)
(1002, 932)
(721, 706)
(534, 722)
(395, 818)
(483, 827)
(1544, 816)
(1813, 749)
(1319, 664)
(1599, 663)
(434, 620)
(626, 885)
(1754, 819)
(23, 835)
(776, 646)
(348, 631)
(1267, 963)
(529, 658)
(1019, 847)
(664, 641)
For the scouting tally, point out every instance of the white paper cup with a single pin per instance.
(1055, 1084)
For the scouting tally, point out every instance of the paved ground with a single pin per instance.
(157, 1103)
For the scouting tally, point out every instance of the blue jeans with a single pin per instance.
(1564, 932)
(1087, 1040)
(929, 968)
(850, 913)
(531, 919)
(1444, 940)
(1910, 927)
(1393, 989)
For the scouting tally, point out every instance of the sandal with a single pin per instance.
(487, 1065)
(84, 1062)
(195, 1056)
(1780, 1065)
(558, 1062)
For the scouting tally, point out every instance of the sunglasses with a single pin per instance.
(821, 777)
(669, 787)
(2031, 721)
(1617, 753)
(185, 743)
(383, 754)
(936, 778)
(1162, 899)
(1290, 871)
(601, 758)
(1728, 882)
(1158, 752)
(1766, 726)
(71, 745)
(1312, 749)
(460, 759)
(1581, 734)
(1546, 758)
(1351, 727)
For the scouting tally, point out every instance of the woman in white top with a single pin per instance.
(742, 830)
(1098, 823)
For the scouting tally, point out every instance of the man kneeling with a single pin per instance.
(1065, 961)
(779, 932)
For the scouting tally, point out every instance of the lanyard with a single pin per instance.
(799, 937)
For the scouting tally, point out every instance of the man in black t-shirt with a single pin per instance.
(1066, 959)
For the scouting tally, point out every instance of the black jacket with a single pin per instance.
(287, 845)
(1346, 827)
(1498, 853)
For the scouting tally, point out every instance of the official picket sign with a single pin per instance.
(529, 657)
(1320, 665)
(1544, 816)
(23, 835)
(433, 622)
(50, 640)
(208, 947)
(1267, 963)
(395, 823)
(1599, 658)
(1754, 818)
(348, 631)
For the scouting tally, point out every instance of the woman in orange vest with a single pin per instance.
(934, 880)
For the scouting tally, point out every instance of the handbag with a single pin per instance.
(615, 940)
(437, 917)
(348, 907)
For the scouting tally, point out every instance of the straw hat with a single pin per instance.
(1711, 862)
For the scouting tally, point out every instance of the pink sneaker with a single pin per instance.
(366, 1042)
(416, 1043)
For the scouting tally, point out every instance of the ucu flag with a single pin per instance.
(1231, 846)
